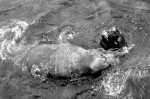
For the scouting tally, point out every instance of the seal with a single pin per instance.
(66, 60)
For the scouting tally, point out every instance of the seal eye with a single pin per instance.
(112, 39)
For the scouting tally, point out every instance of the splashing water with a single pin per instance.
(8, 35)
(114, 83)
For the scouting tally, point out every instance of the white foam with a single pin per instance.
(9, 46)
(114, 83)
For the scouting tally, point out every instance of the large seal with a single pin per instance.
(68, 60)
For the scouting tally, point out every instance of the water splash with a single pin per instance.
(8, 35)
(114, 83)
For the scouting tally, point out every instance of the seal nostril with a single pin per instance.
(112, 39)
